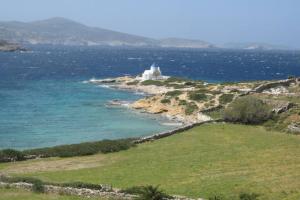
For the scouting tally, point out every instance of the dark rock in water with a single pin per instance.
(9, 47)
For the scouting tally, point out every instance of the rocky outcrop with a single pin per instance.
(294, 128)
(274, 84)
(280, 106)
(9, 47)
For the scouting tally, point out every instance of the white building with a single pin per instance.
(153, 74)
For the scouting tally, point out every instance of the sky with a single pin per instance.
(215, 21)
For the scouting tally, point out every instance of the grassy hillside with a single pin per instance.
(15, 194)
(211, 159)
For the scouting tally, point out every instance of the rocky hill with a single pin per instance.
(67, 32)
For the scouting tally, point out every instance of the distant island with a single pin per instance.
(7, 46)
(61, 31)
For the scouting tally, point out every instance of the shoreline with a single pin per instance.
(191, 101)
(262, 88)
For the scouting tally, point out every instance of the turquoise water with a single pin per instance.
(47, 113)
(43, 101)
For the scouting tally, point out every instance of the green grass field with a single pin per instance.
(16, 194)
(210, 159)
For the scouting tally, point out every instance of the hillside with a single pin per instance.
(67, 32)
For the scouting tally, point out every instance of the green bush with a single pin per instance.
(248, 196)
(176, 79)
(247, 110)
(189, 83)
(132, 83)
(216, 197)
(182, 102)
(165, 101)
(190, 108)
(226, 98)
(82, 149)
(197, 96)
(174, 93)
(148, 193)
(136, 190)
(152, 82)
(10, 155)
(38, 186)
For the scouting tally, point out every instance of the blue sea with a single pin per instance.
(44, 100)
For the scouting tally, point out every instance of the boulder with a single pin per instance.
(294, 128)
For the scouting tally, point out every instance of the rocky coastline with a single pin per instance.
(191, 102)
(10, 47)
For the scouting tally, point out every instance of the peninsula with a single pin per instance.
(194, 101)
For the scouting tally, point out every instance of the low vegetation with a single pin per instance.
(82, 149)
(190, 108)
(152, 82)
(132, 83)
(148, 193)
(226, 98)
(11, 155)
(197, 96)
(247, 110)
(174, 93)
(165, 101)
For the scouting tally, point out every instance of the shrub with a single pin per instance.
(197, 96)
(174, 93)
(216, 197)
(226, 98)
(165, 101)
(82, 149)
(190, 108)
(132, 83)
(190, 83)
(152, 82)
(38, 186)
(176, 79)
(136, 190)
(182, 102)
(247, 110)
(148, 193)
(247, 196)
(9, 155)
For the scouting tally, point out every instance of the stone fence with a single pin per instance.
(114, 194)
(172, 132)
(269, 85)
(83, 192)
